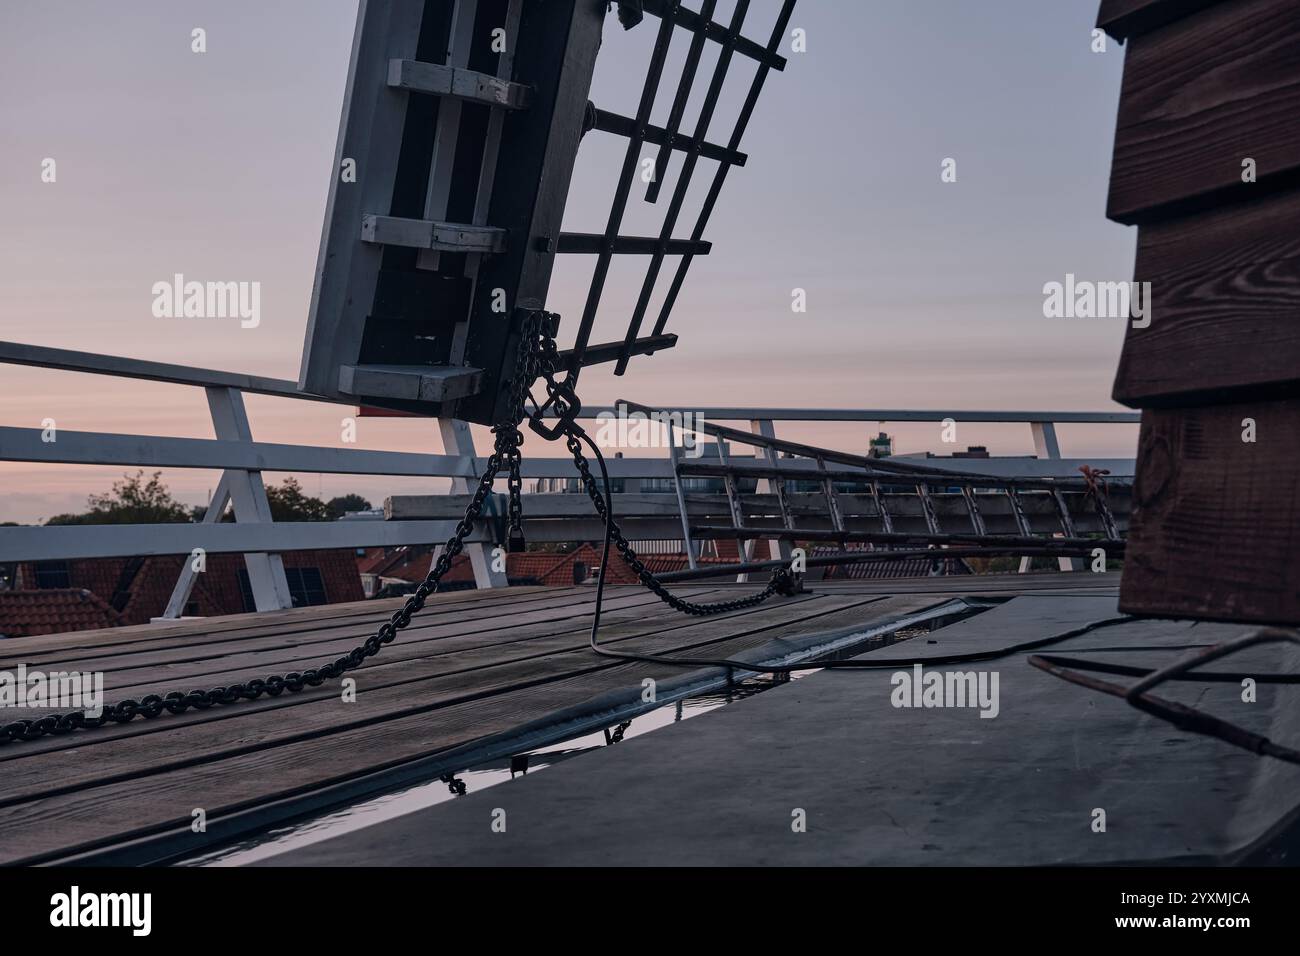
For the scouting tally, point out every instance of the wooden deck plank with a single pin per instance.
(393, 665)
(412, 644)
(389, 690)
(335, 753)
(325, 642)
(254, 623)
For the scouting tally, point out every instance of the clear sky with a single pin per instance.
(921, 294)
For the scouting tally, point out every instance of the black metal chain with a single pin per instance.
(782, 582)
(537, 357)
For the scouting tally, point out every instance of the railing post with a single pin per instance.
(779, 549)
(247, 492)
(458, 440)
(674, 455)
(185, 583)
(1046, 446)
(734, 506)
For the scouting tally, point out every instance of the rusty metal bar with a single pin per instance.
(880, 537)
(886, 519)
(927, 508)
(851, 557)
(1181, 716)
(977, 519)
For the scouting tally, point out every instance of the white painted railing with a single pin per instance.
(242, 460)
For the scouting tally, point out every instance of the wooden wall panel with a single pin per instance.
(1200, 95)
(1225, 307)
(1215, 519)
(1125, 18)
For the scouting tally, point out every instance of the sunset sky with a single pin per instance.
(921, 294)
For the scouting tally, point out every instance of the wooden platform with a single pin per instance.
(880, 785)
(477, 674)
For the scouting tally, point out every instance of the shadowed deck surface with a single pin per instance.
(881, 785)
(475, 671)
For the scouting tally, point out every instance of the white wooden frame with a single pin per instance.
(242, 460)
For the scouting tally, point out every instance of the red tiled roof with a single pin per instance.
(548, 568)
(562, 570)
(372, 559)
(143, 586)
(405, 564)
(52, 611)
(535, 565)
(411, 565)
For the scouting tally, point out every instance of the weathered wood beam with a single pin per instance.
(468, 85)
(439, 236)
(1124, 18)
(415, 383)
(1214, 525)
(1224, 307)
(1201, 97)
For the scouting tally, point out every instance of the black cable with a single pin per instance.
(1213, 677)
(730, 664)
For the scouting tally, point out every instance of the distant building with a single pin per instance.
(53, 611)
(136, 590)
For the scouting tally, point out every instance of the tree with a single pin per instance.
(288, 503)
(344, 503)
(132, 501)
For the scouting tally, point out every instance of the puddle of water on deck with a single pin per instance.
(292, 836)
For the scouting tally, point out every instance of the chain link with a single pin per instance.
(537, 357)
(506, 450)
(782, 582)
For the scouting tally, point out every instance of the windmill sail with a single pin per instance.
(461, 127)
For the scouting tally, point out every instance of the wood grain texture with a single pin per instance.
(478, 667)
(1200, 95)
(1215, 519)
(1125, 18)
(1225, 319)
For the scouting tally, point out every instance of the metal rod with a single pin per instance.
(850, 557)
(624, 189)
(720, 177)
(683, 181)
(679, 102)
(620, 125)
(690, 20)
